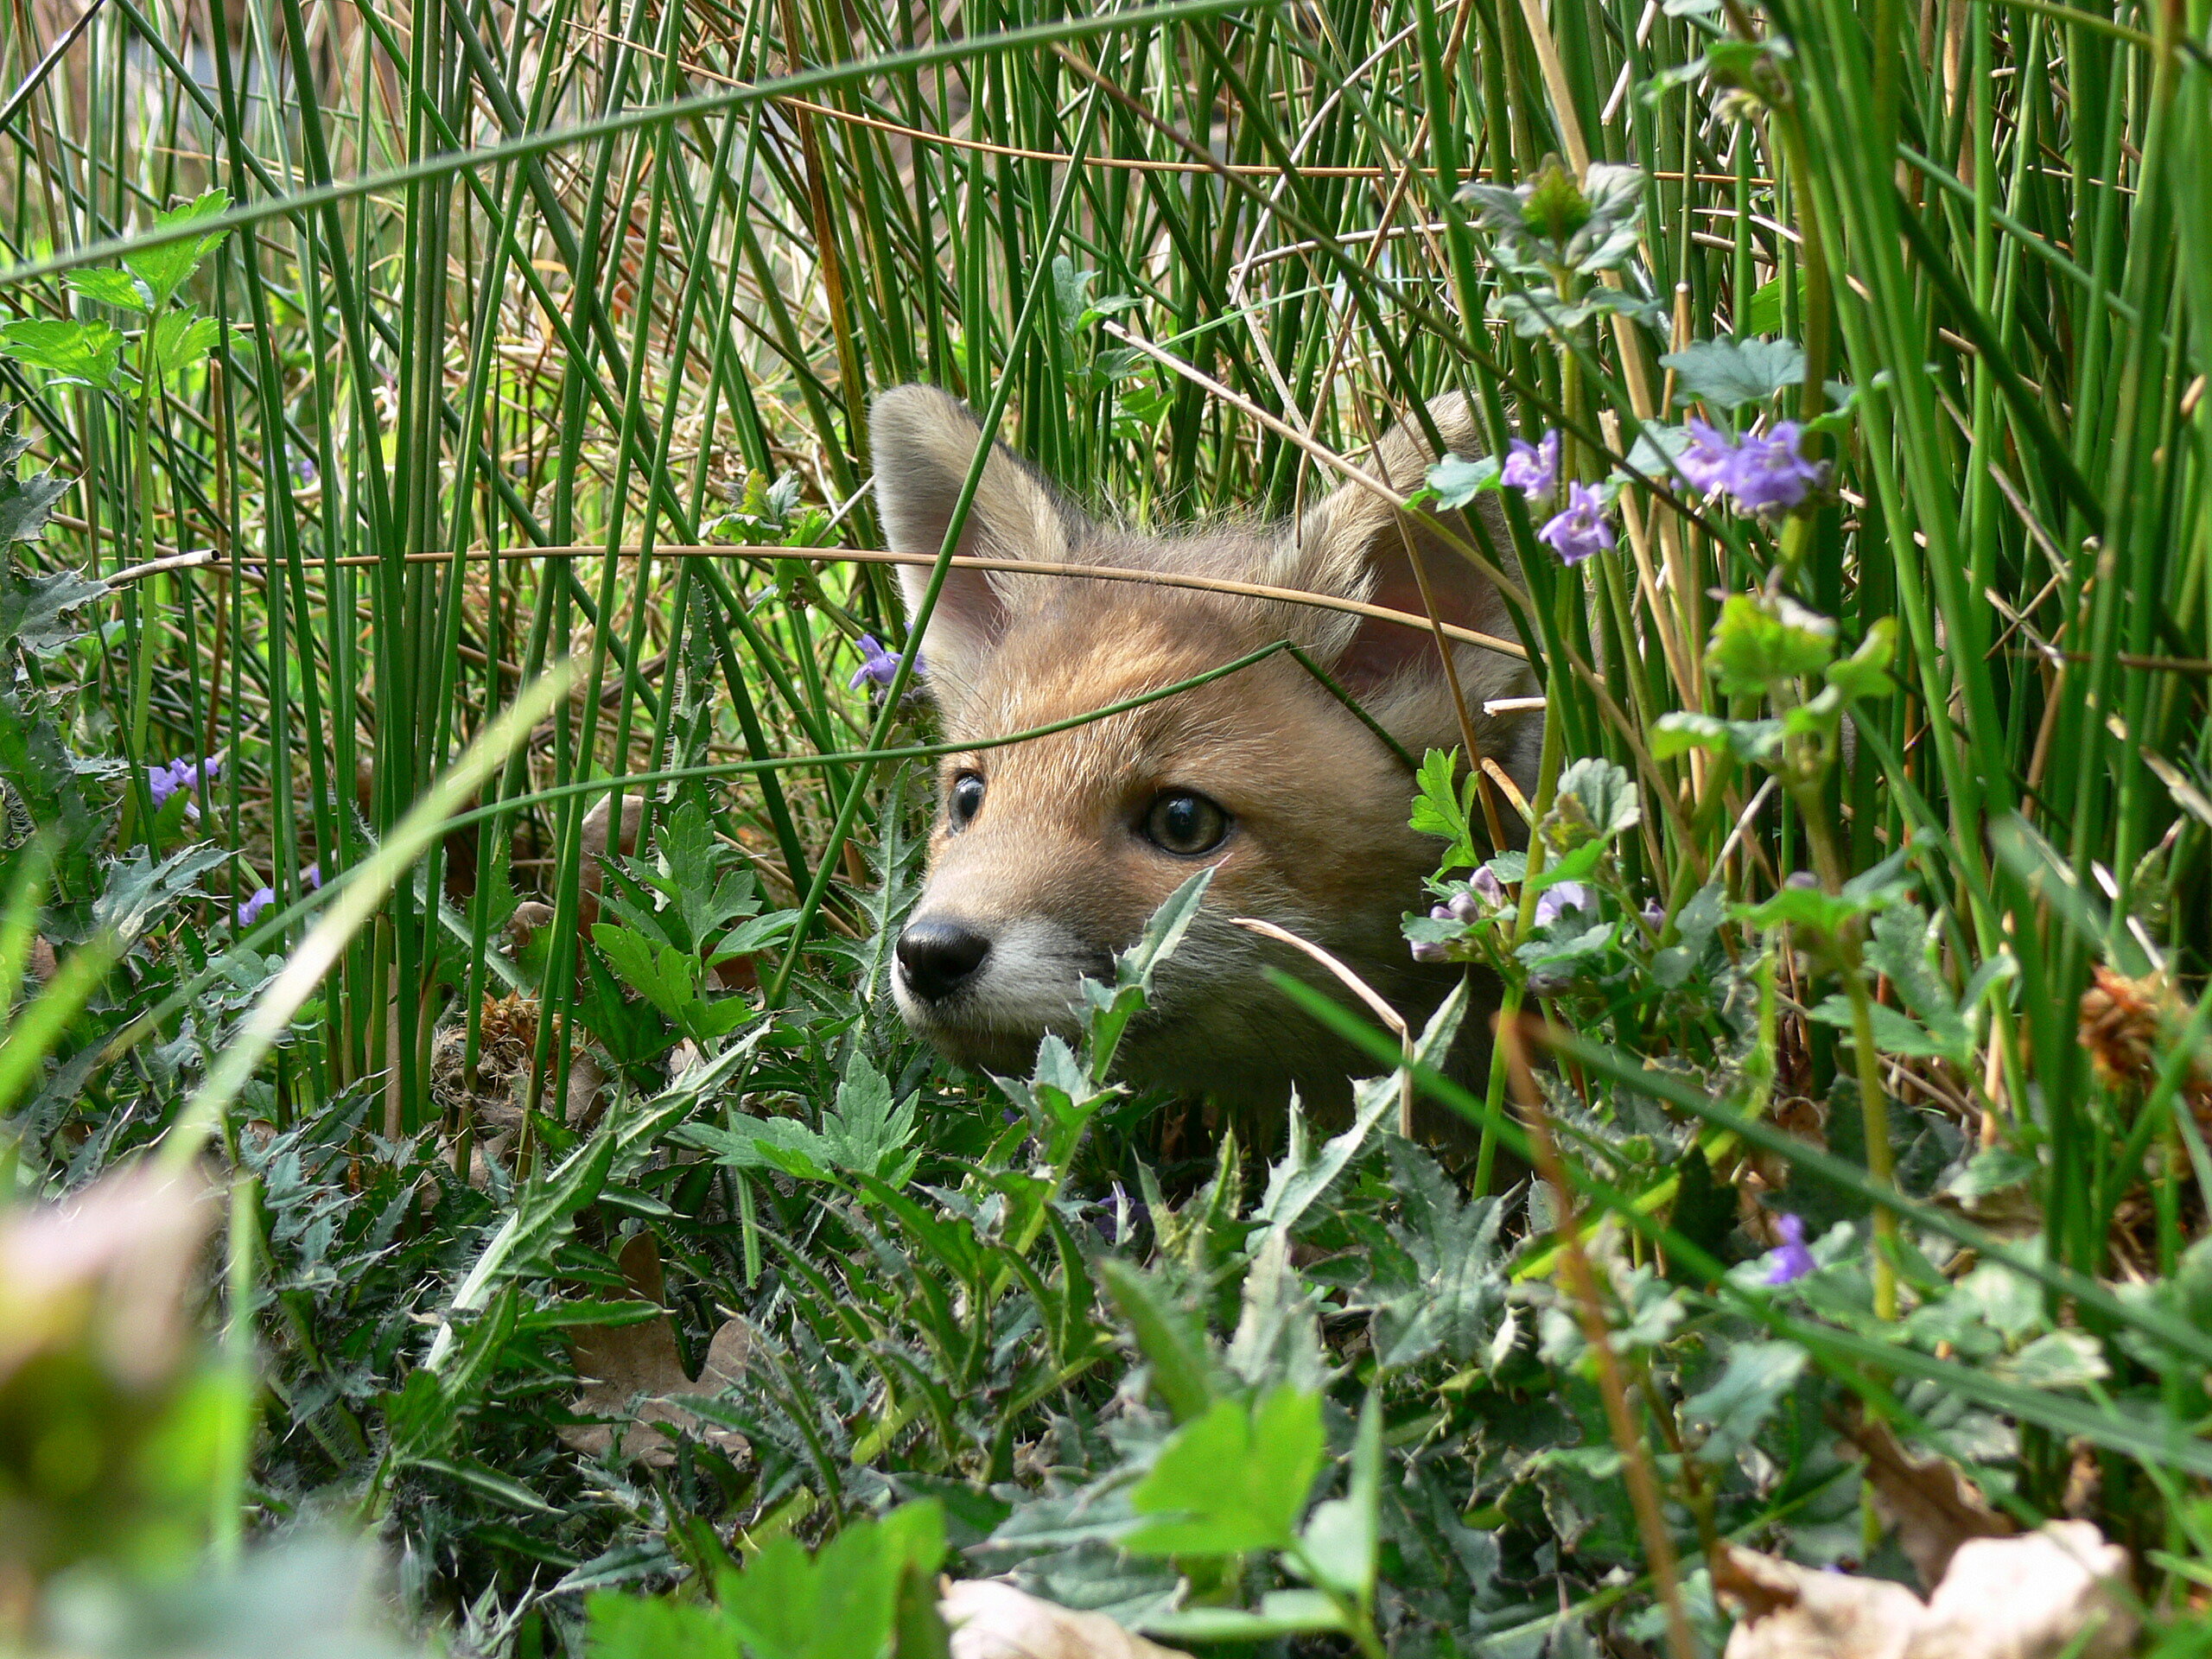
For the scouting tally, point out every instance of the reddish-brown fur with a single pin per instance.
(1054, 869)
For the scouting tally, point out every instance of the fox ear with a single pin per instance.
(925, 442)
(1356, 545)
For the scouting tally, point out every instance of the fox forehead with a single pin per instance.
(1067, 662)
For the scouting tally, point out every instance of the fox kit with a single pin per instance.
(1050, 854)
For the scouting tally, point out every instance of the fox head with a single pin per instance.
(1050, 854)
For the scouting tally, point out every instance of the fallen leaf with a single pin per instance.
(1789, 1611)
(2061, 1589)
(619, 1363)
(993, 1620)
(1929, 1501)
(111, 1265)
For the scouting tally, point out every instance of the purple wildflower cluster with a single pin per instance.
(1555, 902)
(162, 782)
(1763, 474)
(878, 666)
(1581, 528)
(1532, 468)
(1486, 895)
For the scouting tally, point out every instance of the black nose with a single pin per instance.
(936, 956)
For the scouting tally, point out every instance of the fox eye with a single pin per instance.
(966, 799)
(1184, 824)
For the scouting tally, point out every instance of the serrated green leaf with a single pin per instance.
(108, 286)
(1233, 1480)
(1732, 1412)
(182, 340)
(71, 353)
(1763, 640)
(1728, 373)
(1441, 808)
(164, 269)
(1457, 481)
(35, 608)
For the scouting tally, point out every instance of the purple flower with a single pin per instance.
(1431, 951)
(250, 911)
(162, 782)
(1555, 902)
(878, 666)
(1706, 461)
(1580, 531)
(1465, 908)
(1533, 469)
(311, 877)
(1655, 915)
(1767, 474)
(1801, 881)
(1486, 886)
(1791, 1260)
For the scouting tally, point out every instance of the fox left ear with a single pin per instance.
(1356, 545)
(925, 442)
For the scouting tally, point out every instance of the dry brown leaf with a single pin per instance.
(990, 1619)
(2031, 1598)
(2059, 1590)
(1789, 1611)
(1929, 1501)
(109, 1265)
(619, 1363)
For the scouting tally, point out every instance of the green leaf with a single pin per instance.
(34, 608)
(1342, 1535)
(1233, 1480)
(665, 977)
(164, 270)
(110, 287)
(776, 1143)
(1894, 1032)
(1457, 481)
(1728, 373)
(71, 353)
(1764, 315)
(864, 1134)
(1439, 807)
(1866, 673)
(1904, 947)
(1170, 1339)
(1765, 640)
(2058, 1359)
(1733, 1410)
(1282, 1612)
(1603, 794)
(1680, 730)
(1455, 1296)
(640, 1627)
(182, 340)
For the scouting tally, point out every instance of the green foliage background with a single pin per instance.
(417, 351)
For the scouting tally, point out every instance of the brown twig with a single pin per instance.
(1613, 1382)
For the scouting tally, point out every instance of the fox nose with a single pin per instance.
(935, 955)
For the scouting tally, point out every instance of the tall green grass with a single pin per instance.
(526, 308)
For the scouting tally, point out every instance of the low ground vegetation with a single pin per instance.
(467, 1185)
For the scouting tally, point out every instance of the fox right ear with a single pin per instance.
(925, 442)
